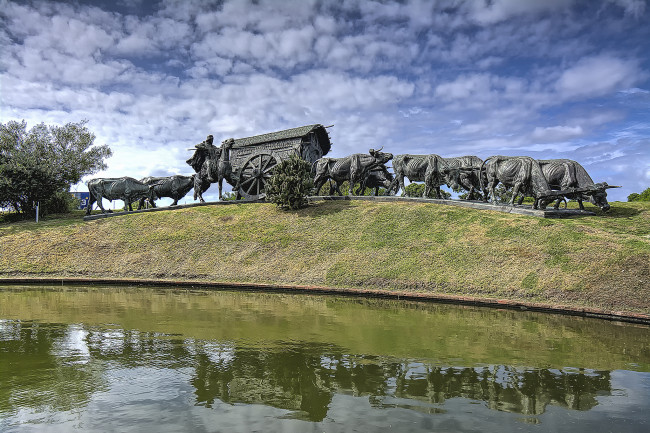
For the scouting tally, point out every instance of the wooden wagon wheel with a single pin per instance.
(254, 174)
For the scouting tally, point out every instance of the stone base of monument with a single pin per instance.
(180, 206)
(520, 209)
(517, 209)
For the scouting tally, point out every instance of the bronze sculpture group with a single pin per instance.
(247, 164)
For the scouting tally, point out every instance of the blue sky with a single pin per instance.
(548, 79)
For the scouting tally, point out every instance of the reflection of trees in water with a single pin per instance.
(61, 366)
(292, 379)
(304, 377)
(525, 391)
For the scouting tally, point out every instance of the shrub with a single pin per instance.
(644, 196)
(290, 183)
(59, 202)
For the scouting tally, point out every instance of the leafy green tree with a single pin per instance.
(229, 196)
(345, 189)
(644, 196)
(290, 183)
(417, 190)
(504, 195)
(39, 164)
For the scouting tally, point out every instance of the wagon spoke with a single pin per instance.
(248, 191)
(247, 181)
(267, 163)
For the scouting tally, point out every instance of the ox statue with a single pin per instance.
(123, 188)
(463, 172)
(353, 168)
(375, 179)
(563, 174)
(212, 165)
(429, 169)
(175, 187)
(522, 173)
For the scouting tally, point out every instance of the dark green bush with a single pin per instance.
(290, 183)
(59, 202)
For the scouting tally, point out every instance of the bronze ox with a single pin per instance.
(564, 174)
(434, 171)
(462, 172)
(522, 173)
(375, 179)
(175, 187)
(353, 168)
(123, 188)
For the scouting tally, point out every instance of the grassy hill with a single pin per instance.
(601, 261)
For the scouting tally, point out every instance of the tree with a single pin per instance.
(40, 164)
(290, 183)
(344, 187)
(417, 190)
(644, 196)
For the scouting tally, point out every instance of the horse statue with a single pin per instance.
(212, 165)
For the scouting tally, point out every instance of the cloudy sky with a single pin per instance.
(544, 78)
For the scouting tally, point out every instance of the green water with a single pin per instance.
(115, 359)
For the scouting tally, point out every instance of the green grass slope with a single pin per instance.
(601, 261)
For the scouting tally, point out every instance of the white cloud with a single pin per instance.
(556, 133)
(496, 11)
(598, 75)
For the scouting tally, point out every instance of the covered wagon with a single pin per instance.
(254, 158)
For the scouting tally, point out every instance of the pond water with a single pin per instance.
(133, 359)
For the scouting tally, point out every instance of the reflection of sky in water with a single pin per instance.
(219, 353)
(73, 346)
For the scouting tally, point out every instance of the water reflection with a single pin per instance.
(304, 378)
(58, 364)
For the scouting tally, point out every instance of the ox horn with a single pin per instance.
(605, 186)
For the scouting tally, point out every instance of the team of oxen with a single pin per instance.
(544, 180)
